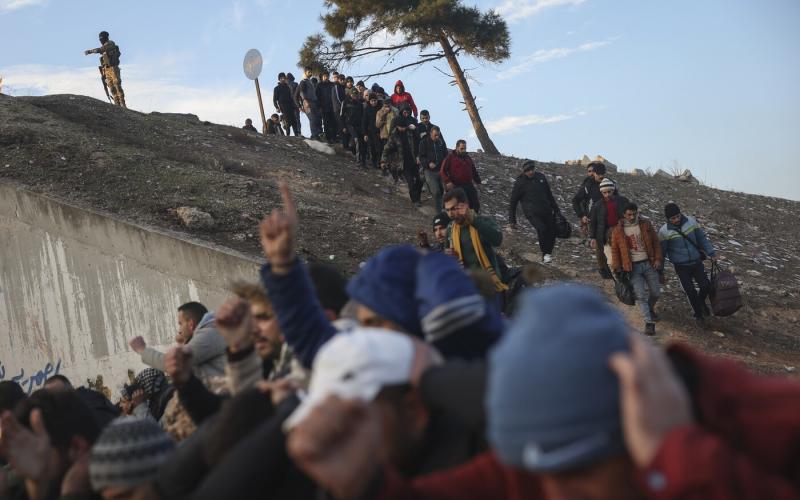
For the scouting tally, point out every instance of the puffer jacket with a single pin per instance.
(677, 248)
(535, 195)
(459, 170)
(403, 96)
(597, 218)
(621, 252)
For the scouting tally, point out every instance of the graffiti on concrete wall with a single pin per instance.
(31, 379)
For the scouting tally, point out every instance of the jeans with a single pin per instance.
(434, 182)
(411, 175)
(315, 122)
(545, 226)
(643, 273)
(689, 275)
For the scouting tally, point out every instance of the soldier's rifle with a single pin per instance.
(105, 84)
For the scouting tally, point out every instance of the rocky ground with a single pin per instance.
(165, 170)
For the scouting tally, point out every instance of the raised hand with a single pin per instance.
(178, 365)
(278, 231)
(235, 324)
(338, 446)
(653, 401)
(138, 344)
(28, 450)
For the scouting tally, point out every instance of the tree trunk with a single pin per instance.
(469, 101)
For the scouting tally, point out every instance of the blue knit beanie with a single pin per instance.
(455, 318)
(386, 285)
(552, 400)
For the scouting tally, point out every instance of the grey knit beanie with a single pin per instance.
(128, 452)
(552, 400)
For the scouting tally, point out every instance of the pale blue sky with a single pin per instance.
(707, 85)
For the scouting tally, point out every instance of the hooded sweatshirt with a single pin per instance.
(403, 96)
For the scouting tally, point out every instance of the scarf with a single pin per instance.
(482, 258)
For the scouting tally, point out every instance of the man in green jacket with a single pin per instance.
(472, 238)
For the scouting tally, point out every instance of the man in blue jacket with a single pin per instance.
(684, 242)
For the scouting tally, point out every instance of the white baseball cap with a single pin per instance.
(357, 365)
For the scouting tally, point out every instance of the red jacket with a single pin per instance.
(458, 170)
(397, 99)
(745, 445)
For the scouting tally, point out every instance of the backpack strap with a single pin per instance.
(702, 252)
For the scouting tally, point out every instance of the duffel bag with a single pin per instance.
(726, 298)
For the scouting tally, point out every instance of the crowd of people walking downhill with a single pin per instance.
(432, 373)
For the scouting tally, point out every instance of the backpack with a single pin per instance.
(563, 227)
(726, 298)
(624, 290)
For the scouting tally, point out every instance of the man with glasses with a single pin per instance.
(636, 251)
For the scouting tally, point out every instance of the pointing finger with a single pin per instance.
(289, 207)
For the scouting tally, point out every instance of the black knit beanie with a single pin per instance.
(671, 210)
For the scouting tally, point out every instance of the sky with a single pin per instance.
(710, 86)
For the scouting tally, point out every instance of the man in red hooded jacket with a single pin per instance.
(400, 96)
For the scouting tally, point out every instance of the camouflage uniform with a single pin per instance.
(109, 65)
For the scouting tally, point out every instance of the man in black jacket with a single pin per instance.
(372, 134)
(603, 217)
(432, 152)
(588, 193)
(538, 205)
(325, 102)
(284, 102)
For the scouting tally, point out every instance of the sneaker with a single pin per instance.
(606, 273)
(650, 329)
(654, 315)
(547, 258)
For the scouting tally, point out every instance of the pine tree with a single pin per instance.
(438, 29)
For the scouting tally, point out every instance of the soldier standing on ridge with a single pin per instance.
(109, 68)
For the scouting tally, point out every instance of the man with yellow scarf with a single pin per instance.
(472, 238)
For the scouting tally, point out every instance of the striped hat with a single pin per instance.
(607, 185)
(128, 452)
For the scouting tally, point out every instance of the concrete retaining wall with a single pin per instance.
(75, 286)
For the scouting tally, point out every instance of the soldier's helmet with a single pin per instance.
(103, 35)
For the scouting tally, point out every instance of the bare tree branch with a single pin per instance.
(398, 68)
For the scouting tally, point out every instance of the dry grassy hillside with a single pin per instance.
(142, 167)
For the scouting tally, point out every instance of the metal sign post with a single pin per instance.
(252, 68)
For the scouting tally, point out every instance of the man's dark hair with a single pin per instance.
(436, 128)
(274, 115)
(598, 166)
(194, 310)
(290, 76)
(307, 68)
(460, 142)
(631, 206)
(11, 393)
(457, 194)
(424, 112)
(65, 416)
(331, 286)
(325, 72)
(61, 378)
(281, 75)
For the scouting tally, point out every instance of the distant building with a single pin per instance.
(583, 162)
